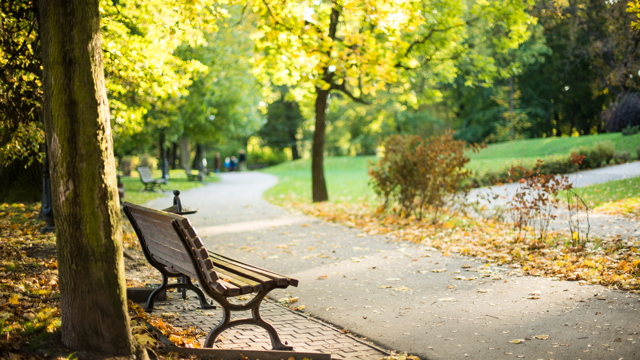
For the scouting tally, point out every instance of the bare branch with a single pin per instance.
(426, 38)
(346, 91)
(274, 17)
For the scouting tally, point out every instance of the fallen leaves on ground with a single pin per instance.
(400, 356)
(180, 336)
(30, 299)
(613, 262)
(628, 208)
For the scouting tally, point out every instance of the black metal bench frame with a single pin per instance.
(220, 277)
(148, 181)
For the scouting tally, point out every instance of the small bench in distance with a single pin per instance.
(148, 181)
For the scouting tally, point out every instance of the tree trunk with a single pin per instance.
(164, 164)
(83, 180)
(195, 164)
(318, 184)
(174, 155)
(512, 129)
(184, 153)
(295, 155)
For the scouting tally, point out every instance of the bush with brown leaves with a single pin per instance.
(417, 175)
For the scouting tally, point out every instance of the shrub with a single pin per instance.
(148, 161)
(128, 164)
(630, 130)
(596, 154)
(266, 156)
(622, 157)
(623, 113)
(416, 175)
(535, 201)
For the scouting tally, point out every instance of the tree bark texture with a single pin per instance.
(318, 183)
(83, 174)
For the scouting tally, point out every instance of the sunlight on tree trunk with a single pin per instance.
(83, 174)
(318, 184)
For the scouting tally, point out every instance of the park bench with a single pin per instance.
(149, 182)
(171, 244)
(190, 175)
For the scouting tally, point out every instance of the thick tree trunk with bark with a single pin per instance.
(83, 174)
(318, 183)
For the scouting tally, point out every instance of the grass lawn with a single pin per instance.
(505, 154)
(177, 181)
(348, 179)
(621, 197)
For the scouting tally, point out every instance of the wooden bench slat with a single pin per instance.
(156, 220)
(256, 285)
(185, 268)
(167, 251)
(241, 283)
(230, 289)
(166, 238)
(279, 279)
(221, 264)
(167, 243)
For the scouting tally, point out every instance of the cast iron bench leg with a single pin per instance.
(255, 319)
(185, 284)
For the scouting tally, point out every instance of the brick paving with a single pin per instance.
(301, 332)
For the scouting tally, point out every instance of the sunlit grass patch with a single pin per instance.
(621, 197)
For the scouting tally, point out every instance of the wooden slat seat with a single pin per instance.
(172, 245)
(147, 179)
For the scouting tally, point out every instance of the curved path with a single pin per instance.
(386, 291)
(579, 179)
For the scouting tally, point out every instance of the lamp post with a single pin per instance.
(163, 157)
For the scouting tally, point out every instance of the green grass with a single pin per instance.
(612, 191)
(505, 154)
(348, 179)
(177, 181)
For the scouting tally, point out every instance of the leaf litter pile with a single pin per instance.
(613, 262)
(30, 298)
(29, 293)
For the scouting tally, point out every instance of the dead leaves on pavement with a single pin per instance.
(612, 262)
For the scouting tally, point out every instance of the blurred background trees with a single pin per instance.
(198, 78)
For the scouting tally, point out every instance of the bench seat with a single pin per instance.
(171, 244)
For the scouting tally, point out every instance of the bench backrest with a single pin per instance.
(145, 174)
(169, 240)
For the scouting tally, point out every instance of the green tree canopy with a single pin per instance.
(361, 47)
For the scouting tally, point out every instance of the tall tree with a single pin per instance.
(85, 197)
(359, 47)
(600, 31)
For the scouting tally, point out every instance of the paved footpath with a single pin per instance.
(408, 297)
